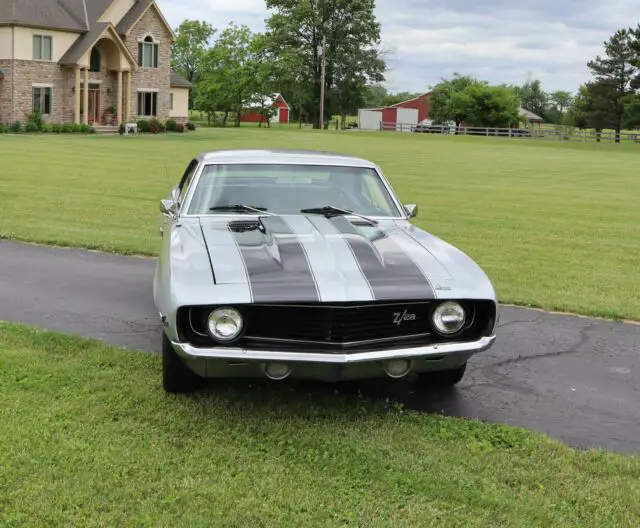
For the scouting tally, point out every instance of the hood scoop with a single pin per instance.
(240, 226)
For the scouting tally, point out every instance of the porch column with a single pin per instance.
(129, 95)
(119, 100)
(76, 116)
(85, 97)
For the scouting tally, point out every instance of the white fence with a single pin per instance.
(560, 134)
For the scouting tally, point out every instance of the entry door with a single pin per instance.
(94, 105)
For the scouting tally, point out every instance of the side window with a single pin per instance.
(187, 177)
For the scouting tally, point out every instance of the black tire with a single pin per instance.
(177, 378)
(443, 378)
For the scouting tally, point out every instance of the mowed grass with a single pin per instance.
(555, 225)
(88, 438)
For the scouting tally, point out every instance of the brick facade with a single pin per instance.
(155, 78)
(20, 92)
(5, 92)
(28, 73)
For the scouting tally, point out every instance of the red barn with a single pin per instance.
(252, 113)
(399, 116)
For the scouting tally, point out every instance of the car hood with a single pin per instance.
(310, 258)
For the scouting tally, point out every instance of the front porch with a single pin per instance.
(101, 81)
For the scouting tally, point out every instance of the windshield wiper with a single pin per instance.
(330, 210)
(239, 208)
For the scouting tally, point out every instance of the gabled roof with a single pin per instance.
(136, 13)
(89, 39)
(529, 115)
(258, 101)
(70, 14)
(177, 81)
(50, 14)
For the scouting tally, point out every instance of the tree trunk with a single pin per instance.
(598, 133)
(225, 118)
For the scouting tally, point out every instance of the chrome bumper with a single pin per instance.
(187, 351)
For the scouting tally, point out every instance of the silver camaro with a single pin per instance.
(278, 263)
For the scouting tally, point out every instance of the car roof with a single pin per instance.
(286, 156)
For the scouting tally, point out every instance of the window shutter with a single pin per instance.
(155, 55)
(140, 48)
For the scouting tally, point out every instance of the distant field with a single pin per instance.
(555, 225)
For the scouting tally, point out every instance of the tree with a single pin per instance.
(188, 50)
(561, 100)
(487, 106)
(615, 72)
(533, 97)
(593, 107)
(352, 35)
(445, 104)
(231, 73)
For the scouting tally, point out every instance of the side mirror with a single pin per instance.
(174, 194)
(412, 210)
(168, 207)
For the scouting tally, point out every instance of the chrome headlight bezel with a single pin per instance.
(449, 309)
(225, 315)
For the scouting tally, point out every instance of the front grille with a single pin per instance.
(338, 325)
(346, 327)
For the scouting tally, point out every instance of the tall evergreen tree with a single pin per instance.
(615, 72)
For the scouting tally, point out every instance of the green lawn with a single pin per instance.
(88, 438)
(555, 225)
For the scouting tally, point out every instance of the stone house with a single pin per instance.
(76, 59)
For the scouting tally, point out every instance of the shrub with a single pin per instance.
(84, 128)
(121, 129)
(179, 127)
(143, 125)
(191, 126)
(46, 127)
(67, 128)
(156, 126)
(170, 125)
(56, 128)
(16, 126)
(92, 130)
(3, 128)
(34, 121)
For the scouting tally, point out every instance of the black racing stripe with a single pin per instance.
(276, 263)
(391, 273)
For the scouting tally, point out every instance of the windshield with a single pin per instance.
(287, 189)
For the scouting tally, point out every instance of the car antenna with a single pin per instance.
(166, 173)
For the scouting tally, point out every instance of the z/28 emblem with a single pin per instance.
(398, 317)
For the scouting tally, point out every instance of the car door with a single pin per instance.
(168, 223)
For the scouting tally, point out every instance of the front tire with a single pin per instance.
(443, 378)
(177, 378)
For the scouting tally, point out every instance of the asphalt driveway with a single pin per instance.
(574, 378)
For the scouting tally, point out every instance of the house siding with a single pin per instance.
(151, 78)
(5, 92)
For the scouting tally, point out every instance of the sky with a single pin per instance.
(501, 41)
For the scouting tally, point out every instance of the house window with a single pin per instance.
(171, 101)
(42, 45)
(148, 104)
(94, 60)
(148, 53)
(42, 99)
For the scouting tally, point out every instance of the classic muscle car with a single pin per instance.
(278, 263)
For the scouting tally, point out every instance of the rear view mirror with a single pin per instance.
(412, 210)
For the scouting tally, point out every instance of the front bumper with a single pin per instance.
(239, 362)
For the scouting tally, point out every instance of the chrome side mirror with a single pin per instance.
(412, 210)
(168, 208)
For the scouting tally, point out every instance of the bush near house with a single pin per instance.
(35, 123)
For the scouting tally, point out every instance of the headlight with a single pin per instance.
(224, 324)
(449, 318)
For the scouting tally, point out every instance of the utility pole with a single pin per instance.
(323, 69)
